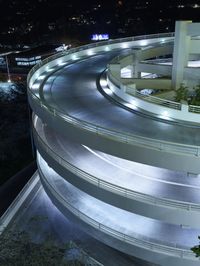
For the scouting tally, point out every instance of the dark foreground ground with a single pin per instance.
(41, 220)
(15, 141)
(38, 219)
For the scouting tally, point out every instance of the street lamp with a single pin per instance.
(8, 71)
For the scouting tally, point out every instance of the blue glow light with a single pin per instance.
(100, 37)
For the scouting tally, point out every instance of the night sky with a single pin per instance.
(42, 20)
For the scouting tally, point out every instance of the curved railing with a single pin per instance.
(194, 109)
(127, 193)
(137, 239)
(94, 45)
(121, 136)
(17, 202)
(149, 98)
(138, 94)
(105, 132)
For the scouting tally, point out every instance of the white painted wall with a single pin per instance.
(152, 108)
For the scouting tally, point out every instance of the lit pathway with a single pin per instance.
(72, 90)
(118, 219)
(130, 175)
(53, 223)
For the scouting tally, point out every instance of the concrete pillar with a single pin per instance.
(115, 69)
(136, 73)
(181, 52)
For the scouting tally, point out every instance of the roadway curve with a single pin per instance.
(72, 91)
(125, 184)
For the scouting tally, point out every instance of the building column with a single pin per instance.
(136, 73)
(181, 52)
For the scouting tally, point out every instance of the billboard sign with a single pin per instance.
(100, 37)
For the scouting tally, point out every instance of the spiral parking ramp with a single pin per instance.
(124, 178)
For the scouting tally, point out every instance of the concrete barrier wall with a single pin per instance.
(86, 52)
(165, 49)
(157, 208)
(157, 153)
(155, 68)
(194, 47)
(123, 91)
(153, 252)
(31, 187)
(148, 83)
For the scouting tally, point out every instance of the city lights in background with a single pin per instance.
(100, 37)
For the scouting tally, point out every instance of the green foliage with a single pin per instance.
(196, 99)
(17, 249)
(181, 93)
(197, 92)
(196, 249)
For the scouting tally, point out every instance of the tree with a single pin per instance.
(197, 93)
(17, 249)
(196, 98)
(181, 93)
(196, 249)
